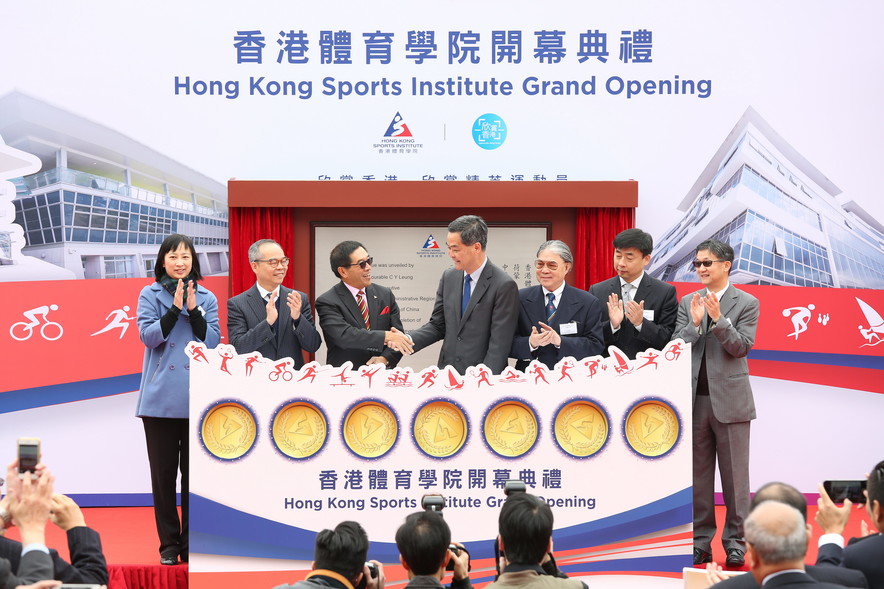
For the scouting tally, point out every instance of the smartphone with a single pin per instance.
(838, 491)
(28, 454)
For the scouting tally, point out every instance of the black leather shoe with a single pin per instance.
(701, 556)
(735, 557)
(169, 558)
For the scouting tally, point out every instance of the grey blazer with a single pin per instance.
(34, 566)
(249, 331)
(485, 333)
(726, 347)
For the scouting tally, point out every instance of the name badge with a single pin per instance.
(568, 328)
(648, 314)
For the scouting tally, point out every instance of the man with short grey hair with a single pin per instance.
(477, 304)
(776, 535)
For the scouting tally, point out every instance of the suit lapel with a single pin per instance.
(350, 304)
(567, 305)
(536, 305)
(374, 304)
(257, 305)
(644, 287)
(477, 292)
(728, 300)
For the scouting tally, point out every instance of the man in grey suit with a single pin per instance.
(270, 318)
(638, 311)
(719, 322)
(477, 304)
(357, 316)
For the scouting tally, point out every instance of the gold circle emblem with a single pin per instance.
(299, 430)
(652, 428)
(440, 429)
(228, 431)
(370, 429)
(510, 428)
(581, 428)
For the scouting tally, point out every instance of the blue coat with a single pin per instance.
(165, 374)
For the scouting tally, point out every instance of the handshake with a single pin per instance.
(399, 341)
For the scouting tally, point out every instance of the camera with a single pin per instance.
(372, 569)
(457, 550)
(514, 486)
(433, 502)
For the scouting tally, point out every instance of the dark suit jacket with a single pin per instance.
(33, 566)
(576, 306)
(485, 333)
(863, 554)
(726, 347)
(798, 580)
(249, 331)
(658, 296)
(825, 574)
(344, 329)
(87, 565)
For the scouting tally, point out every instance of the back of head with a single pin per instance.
(875, 485)
(472, 230)
(777, 533)
(525, 525)
(423, 542)
(783, 493)
(342, 550)
(636, 238)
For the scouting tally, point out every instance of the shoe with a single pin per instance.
(169, 559)
(701, 556)
(735, 557)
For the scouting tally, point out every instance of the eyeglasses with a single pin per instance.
(705, 263)
(539, 264)
(364, 263)
(274, 262)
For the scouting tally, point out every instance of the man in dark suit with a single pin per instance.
(790, 496)
(777, 539)
(270, 318)
(555, 319)
(477, 304)
(357, 317)
(638, 311)
(29, 504)
(864, 554)
(719, 322)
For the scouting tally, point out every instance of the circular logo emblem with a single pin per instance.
(489, 131)
(228, 430)
(510, 428)
(440, 428)
(299, 429)
(651, 428)
(370, 429)
(580, 428)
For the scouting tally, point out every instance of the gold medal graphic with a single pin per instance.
(510, 428)
(581, 428)
(440, 429)
(228, 431)
(299, 430)
(652, 428)
(370, 429)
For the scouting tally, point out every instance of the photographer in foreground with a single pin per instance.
(339, 561)
(525, 525)
(425, 550)
(29, 504)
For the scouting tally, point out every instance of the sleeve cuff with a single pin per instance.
(832, 539)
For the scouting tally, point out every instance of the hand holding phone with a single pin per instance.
(28, 455)
(840, 490)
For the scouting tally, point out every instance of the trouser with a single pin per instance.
(167, 450)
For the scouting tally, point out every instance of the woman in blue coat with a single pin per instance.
(172, 311)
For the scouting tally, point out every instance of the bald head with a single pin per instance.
(777, 534)
(783, 493)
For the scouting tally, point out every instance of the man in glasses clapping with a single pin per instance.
(719, 322)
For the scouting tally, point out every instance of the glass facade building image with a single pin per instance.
(102, 202)
(781, 215)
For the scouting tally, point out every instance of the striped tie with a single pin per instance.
(363, 308)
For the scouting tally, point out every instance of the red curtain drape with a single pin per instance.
(596, 229)
(248, 225)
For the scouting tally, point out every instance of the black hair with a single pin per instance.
(875, 485)
(525, 525)
(170, 244)
(472, 230)
(340, 255)
(342, 550)
(423, 541)
(640, 240)
(719, 249)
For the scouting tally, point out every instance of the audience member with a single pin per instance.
(29, 506)
(424, 542)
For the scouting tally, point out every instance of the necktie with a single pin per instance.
(466, 295)
(363, 308)
(550, 307)
(627, 292)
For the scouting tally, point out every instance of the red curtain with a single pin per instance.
(248, 225)
(596, 229)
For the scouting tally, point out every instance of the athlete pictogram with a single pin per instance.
(50, 330)
(119, 318)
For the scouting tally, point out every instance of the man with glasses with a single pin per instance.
(357, 317)
(719, 322)
(270, 318)
(555, 319)
(638, 311)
